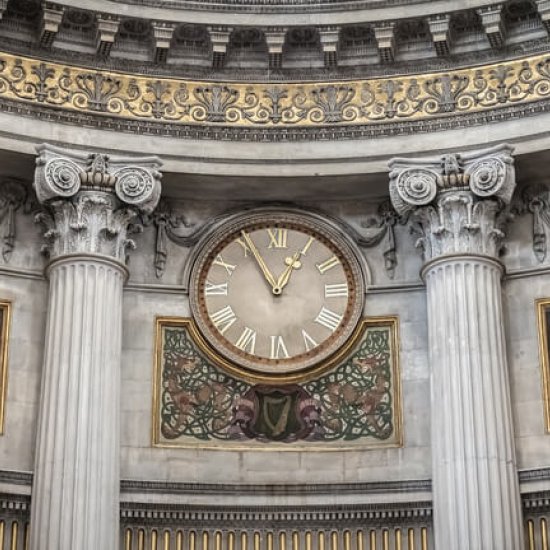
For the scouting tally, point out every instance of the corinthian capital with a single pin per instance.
(91, 201)
(457, 201)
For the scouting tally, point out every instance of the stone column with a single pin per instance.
(89, 208)
(457, 208)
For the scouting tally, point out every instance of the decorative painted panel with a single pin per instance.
(198, 402)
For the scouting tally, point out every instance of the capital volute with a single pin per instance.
(62, 174)
(486, 174)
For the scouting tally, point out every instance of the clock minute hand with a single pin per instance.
(259, 260)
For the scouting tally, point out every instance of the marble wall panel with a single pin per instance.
(532, 440)
(209, 466)
(29, 303)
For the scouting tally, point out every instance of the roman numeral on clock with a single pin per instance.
(328, 319)
(223, 319)
(244, 246)
(277, 237)
(278, 348)
(247, 339)
(327, 264)
(309, 342)
(228, 267)
(336, 290)
(211, 289)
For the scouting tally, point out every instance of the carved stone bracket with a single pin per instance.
(90, 202)
(168, 224)
(458, 203)
(13, 195)
(381, 229)
(535, 200)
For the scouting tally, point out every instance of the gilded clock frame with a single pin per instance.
(245, 366)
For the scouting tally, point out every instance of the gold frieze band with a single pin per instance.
(262, 105)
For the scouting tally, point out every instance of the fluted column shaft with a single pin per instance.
(457, 206)
(90, 206)
(75, 501)
(475, 484)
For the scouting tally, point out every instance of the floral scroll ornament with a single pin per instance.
(360, 102)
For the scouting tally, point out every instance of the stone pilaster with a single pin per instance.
(89, 206)
(457, 206)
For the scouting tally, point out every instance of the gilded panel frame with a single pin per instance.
(542, 307)
(5, 323)
(391, 321)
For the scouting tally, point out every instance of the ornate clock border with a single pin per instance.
(232, 270)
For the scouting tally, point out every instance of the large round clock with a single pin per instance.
(277, 293)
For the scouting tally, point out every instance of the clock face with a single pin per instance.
(277, 295)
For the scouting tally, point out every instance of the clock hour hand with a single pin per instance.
(259, 260)
(292, 263)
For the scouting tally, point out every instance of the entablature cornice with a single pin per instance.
(279, 47)
(291, 13)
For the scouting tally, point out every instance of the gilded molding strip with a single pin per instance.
(543, 320)
(5, 322)
(290, 105)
